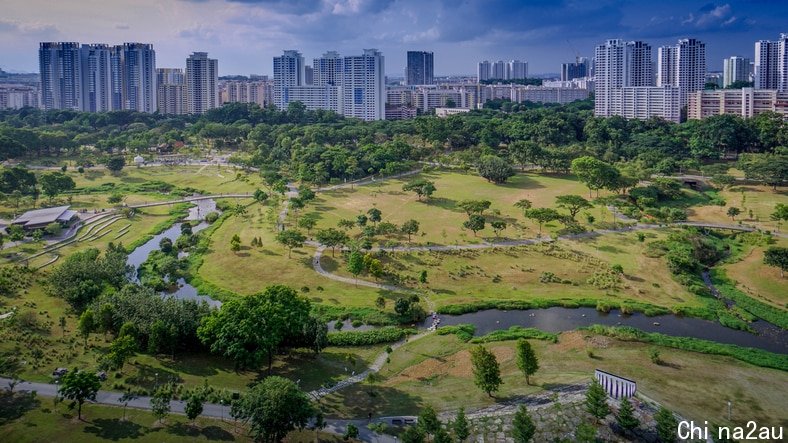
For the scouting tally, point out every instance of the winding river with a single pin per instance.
(769, 337)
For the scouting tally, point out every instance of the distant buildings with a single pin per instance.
(420, 68)
(288, 73)
(170, 91)
(202, 78)
(328, 69)
(17, 96)
(61, 75)
(502, 70)
(682, 66)
(620, 64)
(735, 69)
(579, 69)
(136, 63)
(771, 64)
(364, 86)
(745, 102)
(260, 91)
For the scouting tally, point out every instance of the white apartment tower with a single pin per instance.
(288, 71)
(735, 69)
(97, 78)
(771, 64)
(364, 86)
(518, 70)
(202, 79)
(61, 75)
(620, 64)
(682, 66)
(328, 69)
(170, 91)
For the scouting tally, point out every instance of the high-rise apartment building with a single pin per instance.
(620, 64)
(419, 70)
(96, 61)
(170, 91)
(309, 75)
(202, 79)
(364, 86)
(578, 69)
(500, 70)
(138, 77)
(328, 69)
(61, 75)
(483, 71)
(517, 70)
(683, 66)
(771, 64)
(288, 71)
(735, 69)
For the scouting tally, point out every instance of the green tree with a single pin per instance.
(308, 222)
(486, 371)
(355, 263)
(120, 350)
(474, 206)
(86, 324)
(54, 183)
(542, 216)
(626, 416)
(523, 428)
(273, 408)
(428, 421)
(235, 243)
(495, 169)
(421, 187)
(526, 359)
(331, 238)
(252, 328)
(475, 223)
(585, 433)
(460, 426)
(777, 256)
(127, 398)
(667, 425)
(375, 215)
(772, 169)
(412, 434)
(160, 403)
(350, 432)
(523, 204)
(572, 203)
(498, 226)
(410, 227)
(596, 401)
(260, 196)
(780, 214)
(78, 386)
(594, 173)
(346, 224)
(722, 181)
(116, 164)
(193, 407)
(733, 212)
(290, 239)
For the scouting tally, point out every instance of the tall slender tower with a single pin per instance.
(96, 60)
(328, 69)
(620, 64)
(61, 75)
(170, 91)
(138, 77)
(419, 70)
(288, 71)
(735, 69)
(683, 66)
(364, 86)
(202, 78)
(483, 71)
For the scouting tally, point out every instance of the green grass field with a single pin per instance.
(436, 371)
(440, 218)
(758, 280)
(761, 200)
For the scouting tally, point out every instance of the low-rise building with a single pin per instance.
(445, 112)
(644, 102)
(40, 218)
(745, 102)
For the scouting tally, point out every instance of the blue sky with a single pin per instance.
(245, 34)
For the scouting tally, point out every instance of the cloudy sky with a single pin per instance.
(245, 34)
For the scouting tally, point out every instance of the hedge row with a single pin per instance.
(387, 334)
(515, 333)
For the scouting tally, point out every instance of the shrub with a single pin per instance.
(387, 334)
(514, 333)
(463, 331)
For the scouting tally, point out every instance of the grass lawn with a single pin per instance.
(758, 280)
(760, 199)
(516, 273)
(251, 269)
(436, 371)
(40, 420)
(440, 218)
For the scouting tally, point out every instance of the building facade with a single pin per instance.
(137, 66)
(16, 96)
(578, 69)
(364, 86)
(683, 66)
(619, 64)
(420, 68)
(517, 70)
(61, 75)
(97, 87)
(483, 71)
(202, 80)
(328, 69)
(645, 102)
(745, 103)
(735, 69)
(170, 91)
(289, 71)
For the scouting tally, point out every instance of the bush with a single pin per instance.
(387, 334)
(211, 217)
(515, 333)
(463, 331)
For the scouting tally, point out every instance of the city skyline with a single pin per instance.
(503, 30)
